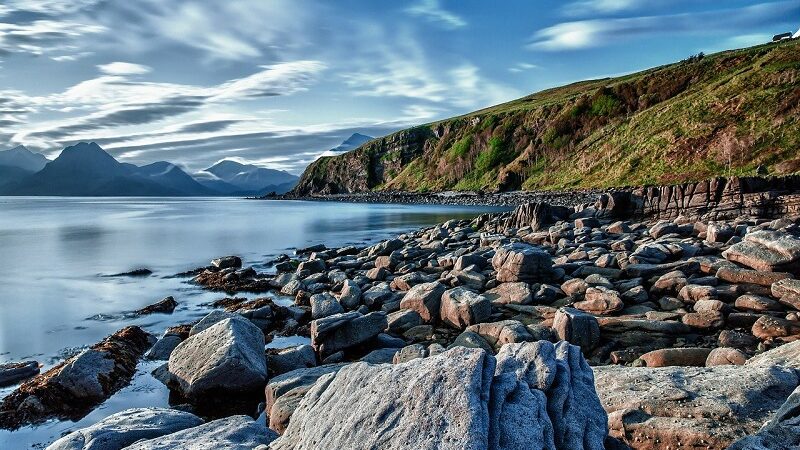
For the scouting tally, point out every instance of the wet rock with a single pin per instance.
(341, 331)
(11, 373)
(124, 428)
(521, 262)
(142, 272)
(230, 433)
(163, 306)
(461, 307)
(72, 388)
(676, 357)
(227, 262)
(164, 346)
(227, 357)
(577, 327)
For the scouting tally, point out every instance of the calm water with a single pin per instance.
(55, 299)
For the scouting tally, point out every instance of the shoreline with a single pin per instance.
(634, 295)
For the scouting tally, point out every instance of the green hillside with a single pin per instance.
(731, 113)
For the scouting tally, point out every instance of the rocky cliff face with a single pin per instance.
(735, 113)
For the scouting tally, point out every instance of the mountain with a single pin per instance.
(247, 177)
(732, 113)
(22, 158)
(171, 176)
(354, 141)
(86, 169)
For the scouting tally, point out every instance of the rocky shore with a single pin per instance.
(557, 326)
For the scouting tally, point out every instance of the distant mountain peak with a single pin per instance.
(22, 158)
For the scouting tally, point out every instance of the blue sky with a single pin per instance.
(277, 82)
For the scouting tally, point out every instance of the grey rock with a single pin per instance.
(461, 307)
(341, 331)
(230, 433)
(126, 427)
(522, 262)
(425, 299)
(227, 262)
(324, 305)
(228, 356)
(11, 373)
(350, 296)
(286, 360)
(211, 319)
(577, 327)
(470, 339)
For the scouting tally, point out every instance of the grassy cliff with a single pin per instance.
(731, 113)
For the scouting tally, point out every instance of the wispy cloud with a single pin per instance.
(598, 32)
(587, 7)
(43, 36)
(433, 11)
(522, 67)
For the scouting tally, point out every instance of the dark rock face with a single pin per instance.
(719, 198)
(11, 373)
(164, 306)
(71, 389)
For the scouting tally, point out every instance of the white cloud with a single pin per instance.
(522, 67)
(124, 68)
(585, 34)
(584, 7)
(43, 36)
(433, 11)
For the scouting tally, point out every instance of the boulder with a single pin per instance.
(470, 339)
(164, 306)
(461, 307)
(11, 373)
(165, 345)
(518, 293)
(293, 358)
(767, 251)
(719, 232)
(734, 274)
(425, 299)
(787, 292)
(522, 262)
(342, 331)
(460, 399)
(350, 297)
(122, 429)
(227, 262)
(577, 327)
(230, 433)
(324, 305)
(676, 357)
(71, 389)
(403, 320)
(662, 228)
(768, 327)
(211, 319)
(227, 357)
(757, 303)
(281, 385)
(498, 334)
(722, 356)
(600, 301)
(690, 407)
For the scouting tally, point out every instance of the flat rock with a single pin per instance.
(230, 433)
(341, 331)
(517, 293)
(122, 429)
(461, 307)
(690, 407)
(676, 357)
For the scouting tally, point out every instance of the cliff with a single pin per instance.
(734, 113)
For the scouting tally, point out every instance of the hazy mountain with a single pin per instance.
(171, 176)
(22, 158)
(86, 169)
(247, 177)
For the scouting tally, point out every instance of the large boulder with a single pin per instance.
(72, 388)
(781, 432)
(226, 357)
(690, 407)
(342, 331)
(577, 327)
(230, 433)
(601, 301)
(768, 251)
(522, 262)
(425, 299)
(126, 427)
(518, 293)
(461, 308)
(533, 395)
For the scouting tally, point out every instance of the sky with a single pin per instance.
(278, 82)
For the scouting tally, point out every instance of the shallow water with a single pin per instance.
(55, 299)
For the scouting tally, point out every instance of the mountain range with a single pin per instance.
(735, 112)
(85, 169)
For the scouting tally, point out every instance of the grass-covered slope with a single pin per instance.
(731, 113)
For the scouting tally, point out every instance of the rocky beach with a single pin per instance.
(646, 319)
